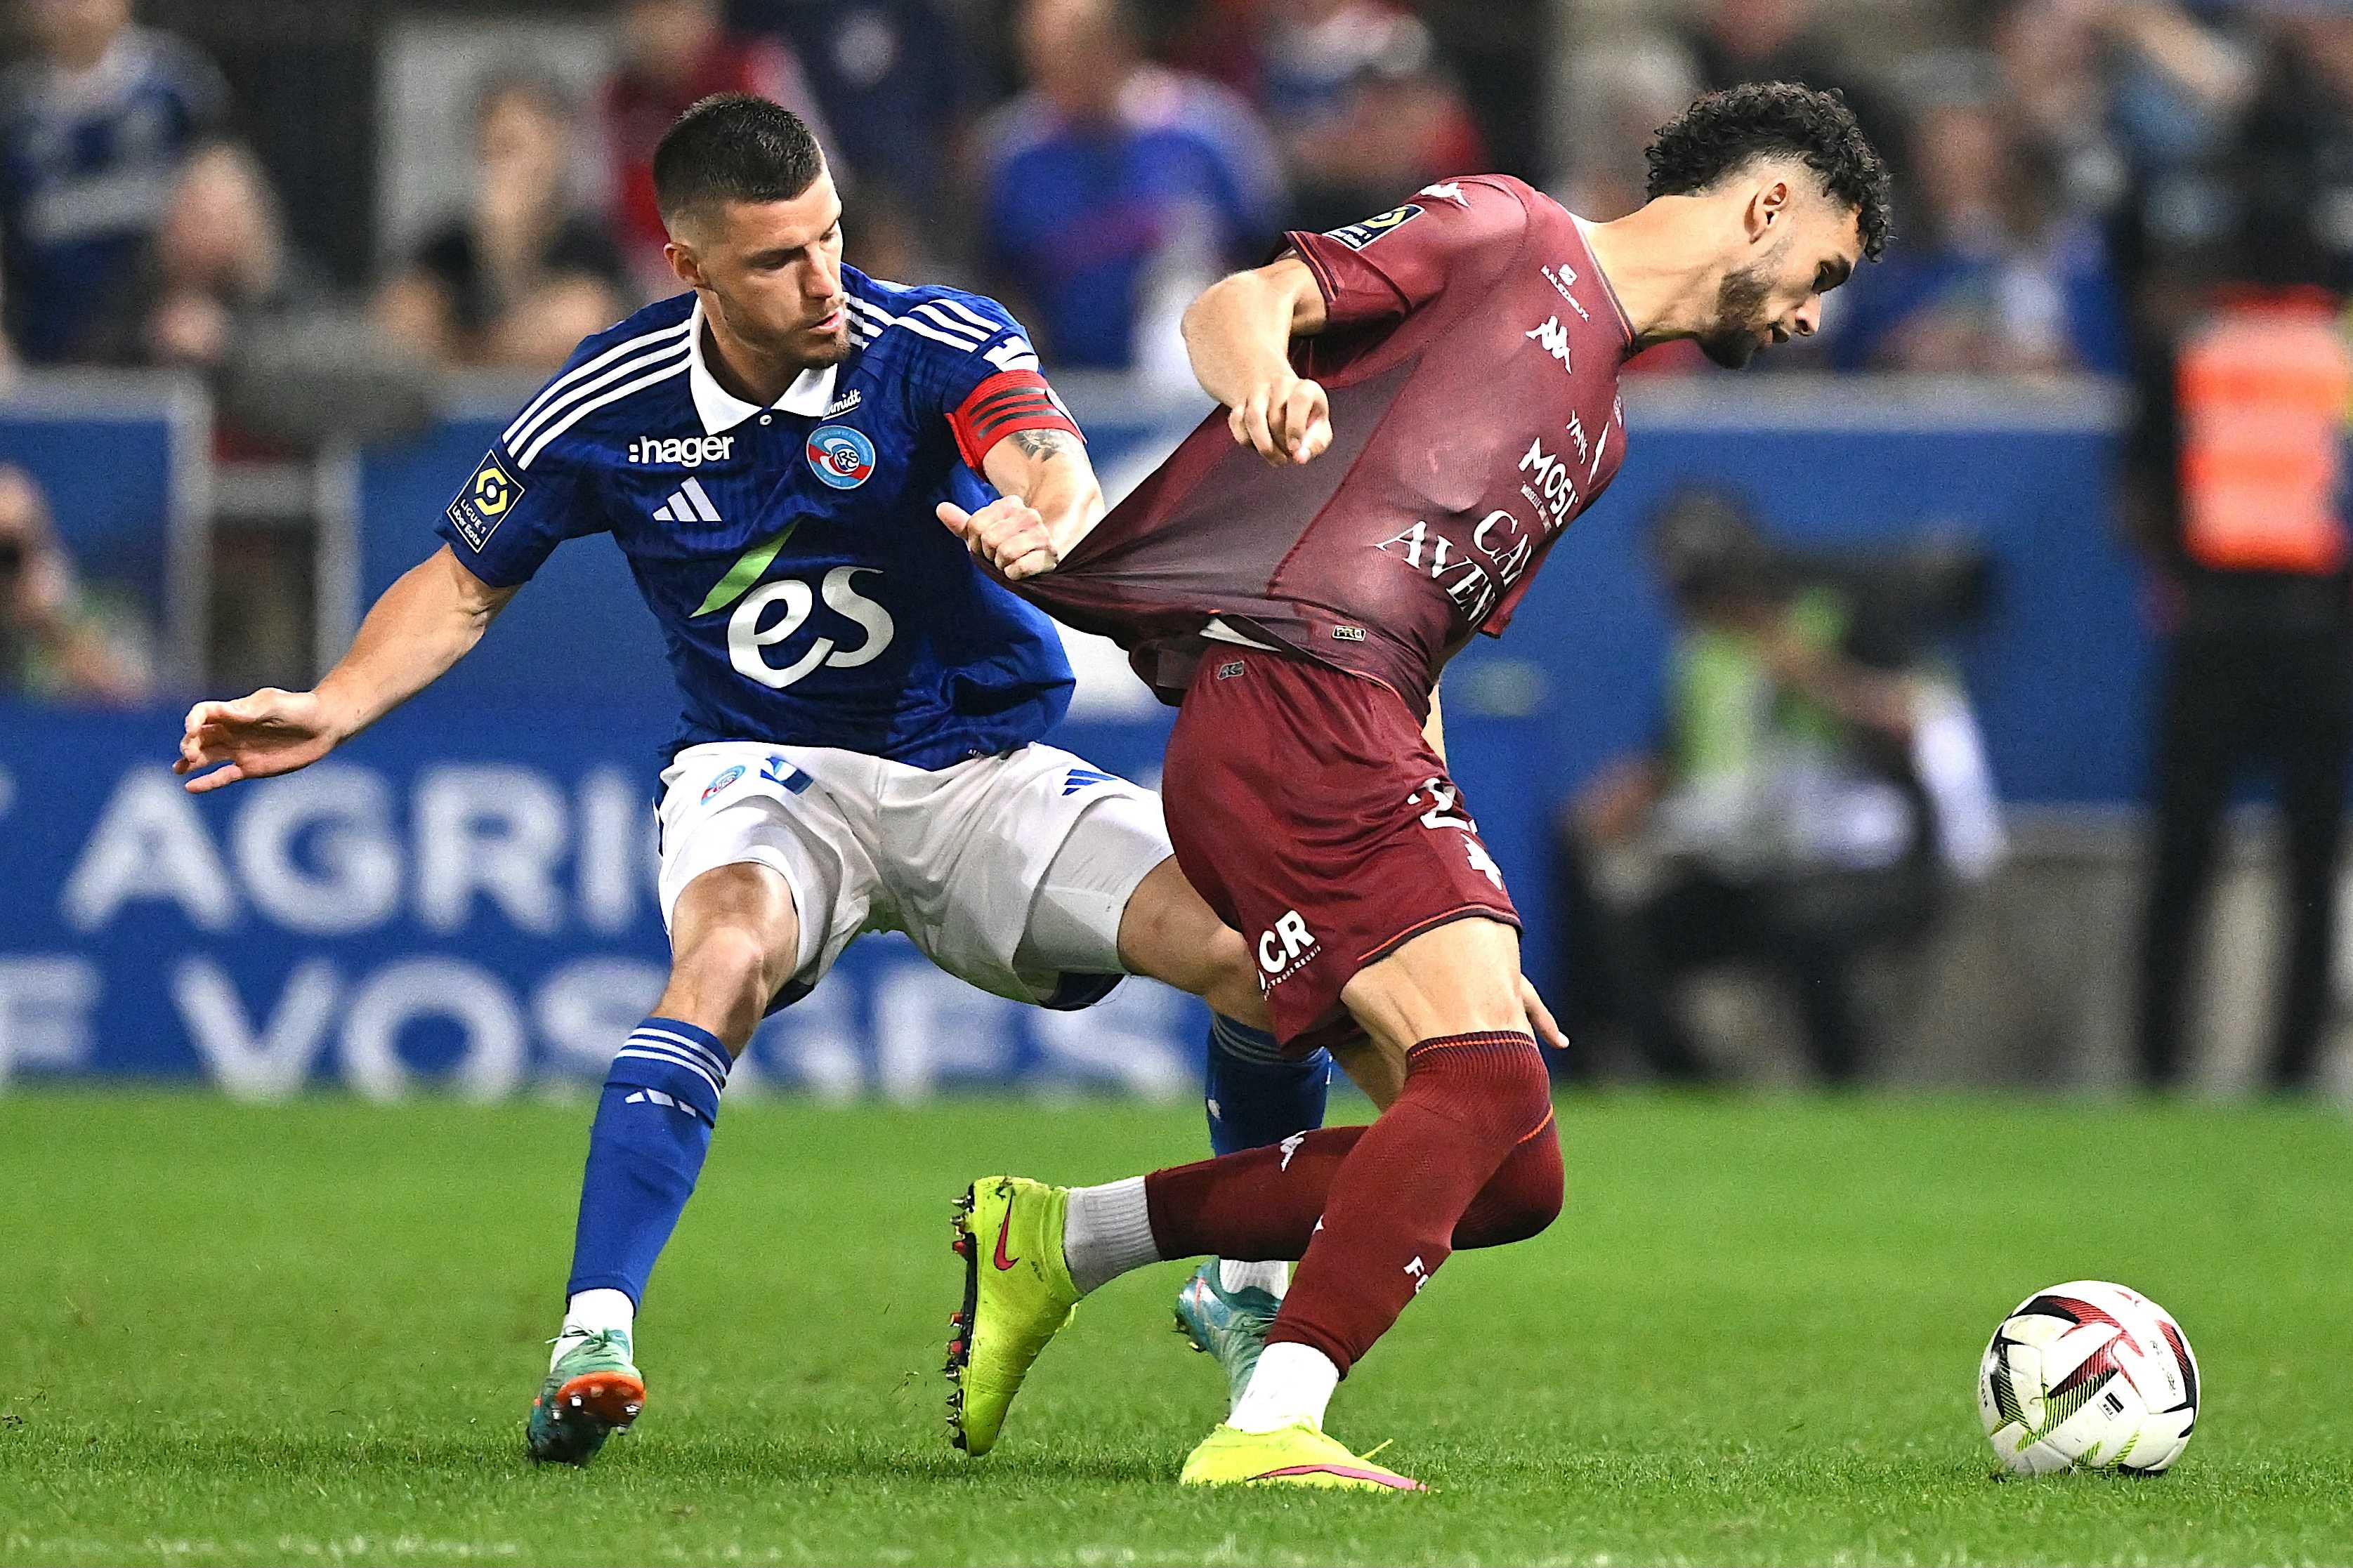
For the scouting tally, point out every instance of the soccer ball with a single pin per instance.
(2089, 1375)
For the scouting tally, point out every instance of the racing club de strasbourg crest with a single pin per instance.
(842, 458)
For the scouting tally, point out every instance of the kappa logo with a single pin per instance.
(1358, 236)
(840, 455)
(1553, 338)
(485, 501)
(684, 451)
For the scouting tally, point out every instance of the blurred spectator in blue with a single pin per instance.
(93, 131)
(894, 80)
(58, 640)
(1818, 786)
(1993, 275)
(675, 53)
(218, 266)
(525, 272)
(1361, 107)
(1118, 189)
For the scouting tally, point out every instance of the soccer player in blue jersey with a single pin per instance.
(863, 705)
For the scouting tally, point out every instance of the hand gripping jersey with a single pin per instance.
(806, 593)
(1471, 360)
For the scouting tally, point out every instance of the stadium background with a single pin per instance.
(463, 894)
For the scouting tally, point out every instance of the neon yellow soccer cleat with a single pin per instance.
(1294, 1456)
(1017, 1296)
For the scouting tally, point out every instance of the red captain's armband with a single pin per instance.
(1008, 401)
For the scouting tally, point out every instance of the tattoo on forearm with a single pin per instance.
(1042, 445)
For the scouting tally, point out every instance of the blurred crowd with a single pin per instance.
(2063, 162)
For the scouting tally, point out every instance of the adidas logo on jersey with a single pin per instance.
(686, 451)
(688, 503)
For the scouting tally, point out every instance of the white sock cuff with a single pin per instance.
(1274, 1276)
(1292, 1383)
(593, 1312)
(1106, 1232)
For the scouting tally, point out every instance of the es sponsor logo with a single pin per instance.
(682, 451)
(1358, 236)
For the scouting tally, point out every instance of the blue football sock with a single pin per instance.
(1255, 1096)
(652, 1128)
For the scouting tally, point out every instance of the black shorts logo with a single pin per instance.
(485, 501)
(1358, 236)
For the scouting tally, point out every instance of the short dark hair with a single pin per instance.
(1724, 132)
(734, 147)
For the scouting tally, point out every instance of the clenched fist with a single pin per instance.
(1285, 419)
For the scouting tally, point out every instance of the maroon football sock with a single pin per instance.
(1466, 1156)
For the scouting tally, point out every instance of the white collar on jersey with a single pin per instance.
(809, 394)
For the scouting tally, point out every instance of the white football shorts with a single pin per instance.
(1009, 872)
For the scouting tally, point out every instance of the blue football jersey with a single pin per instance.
(807, 594)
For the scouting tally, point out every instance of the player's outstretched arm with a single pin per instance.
(1048, 500)
(1238, 334)
(422, 626)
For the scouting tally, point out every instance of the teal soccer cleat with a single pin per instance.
(591, 1393)
(1231, 1325)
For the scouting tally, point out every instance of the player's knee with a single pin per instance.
(726, 974)
(1524, 1196)
(1495, 1085)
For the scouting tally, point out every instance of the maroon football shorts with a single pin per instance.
(1306, 806)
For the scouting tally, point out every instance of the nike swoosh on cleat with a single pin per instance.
(1395, 1483)
(1002, 1261)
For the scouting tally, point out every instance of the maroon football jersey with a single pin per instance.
(1471, 360)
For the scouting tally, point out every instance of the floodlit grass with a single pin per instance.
(309, 1333)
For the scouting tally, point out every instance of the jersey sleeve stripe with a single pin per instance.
(523, 458)
(675, 351)
(574, 375)
(962, 345)
(932, 313)
(988, 329)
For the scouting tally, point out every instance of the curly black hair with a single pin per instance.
(1724, 133)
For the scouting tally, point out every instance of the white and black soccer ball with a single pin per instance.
(2091, 1375)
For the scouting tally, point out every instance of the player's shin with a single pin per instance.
(645, 1152)
(1256, 1096)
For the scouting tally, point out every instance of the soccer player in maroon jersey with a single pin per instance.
(1417, 405)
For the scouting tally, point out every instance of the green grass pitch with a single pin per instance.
(307, 1334)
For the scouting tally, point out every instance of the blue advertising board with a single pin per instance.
(463, 899)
